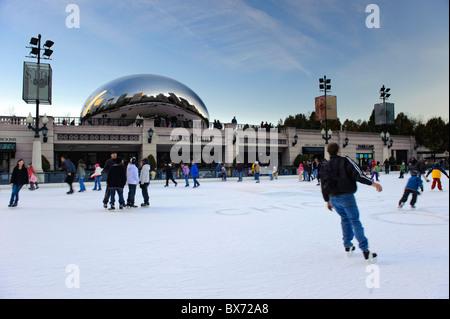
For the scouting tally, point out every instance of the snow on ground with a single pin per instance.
(275, 239)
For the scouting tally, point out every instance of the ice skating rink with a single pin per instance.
(275, 239)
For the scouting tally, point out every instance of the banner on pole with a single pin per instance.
(37, 83)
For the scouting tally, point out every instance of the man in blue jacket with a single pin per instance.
(338, 180)
(194, 174)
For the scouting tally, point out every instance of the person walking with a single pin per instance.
(195, 174)
(19, 177)
(436, 172)
(185, 169)
(132, 180)
(81, 173)
(116, 181)
(339, 176)
(169, 174)
(108, 164)
(97, 176)
(71, 170)
(412, 187)
(144, 181)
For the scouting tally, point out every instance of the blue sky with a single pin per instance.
(258, 60)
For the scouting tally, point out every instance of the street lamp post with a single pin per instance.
(35, 53)
(325, 86)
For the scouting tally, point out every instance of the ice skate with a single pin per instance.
(371, 258)
(349, 251)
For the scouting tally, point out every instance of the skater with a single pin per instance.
(307, 171)
(169, 175)
(239, 170)
(19, 177)
(257, 170)
(116, 181)
(338, 182)
(31, 171)
(144, 181)
(436, 173)
(108, 164)
(81, 173)
(376, 171)
(132, 180)
(185, 169)
(33, 179)
(71, 170)
(275, 172)
(412, 187)
(300, 172)
(223, 173)
(97, 176)
(318, 167)
(402, 170)
(194, 174)
(420, 167)
(386, 166)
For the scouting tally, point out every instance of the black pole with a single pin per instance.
(326, 117)
(36, 128)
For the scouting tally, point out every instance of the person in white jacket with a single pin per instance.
(144, 181)
(132, 180)
(97, 176)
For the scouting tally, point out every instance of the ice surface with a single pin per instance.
(275, 239)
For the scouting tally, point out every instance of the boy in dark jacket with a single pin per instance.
(71, 170)
(338, 180)
(117, 178)
(414, 183)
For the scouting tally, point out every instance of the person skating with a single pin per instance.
(318, 168)
(436, 173)
(402, 170)
(71, 170)
(412, 187)
(33, 181)
(32, 171)
(132, 180)
(97, 176)
(108, 164)
(300, 172)
(81, 173)
(144, 181)
(19, 177)
(195, 174)
(169, 175)
(239, 170)
(376, 171)
(117, 179)
(257, 170)
(339, 176)
(185, 169)
(420, 167)
(223, 173)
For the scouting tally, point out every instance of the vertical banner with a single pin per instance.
(384, 114)
(37, 83)
(331, 112)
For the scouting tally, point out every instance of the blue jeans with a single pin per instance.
(119, 192)
(131, 194)
(196, 183)
(186, 177)
(345, 206)
(15, 194)
(240, 176)
(97, 183)
(81, 182)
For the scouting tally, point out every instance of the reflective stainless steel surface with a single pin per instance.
(145, 95)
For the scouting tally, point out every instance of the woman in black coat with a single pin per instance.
(19, 177)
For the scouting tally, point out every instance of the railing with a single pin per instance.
(60, 177)
(13, 120)
(76, 121)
